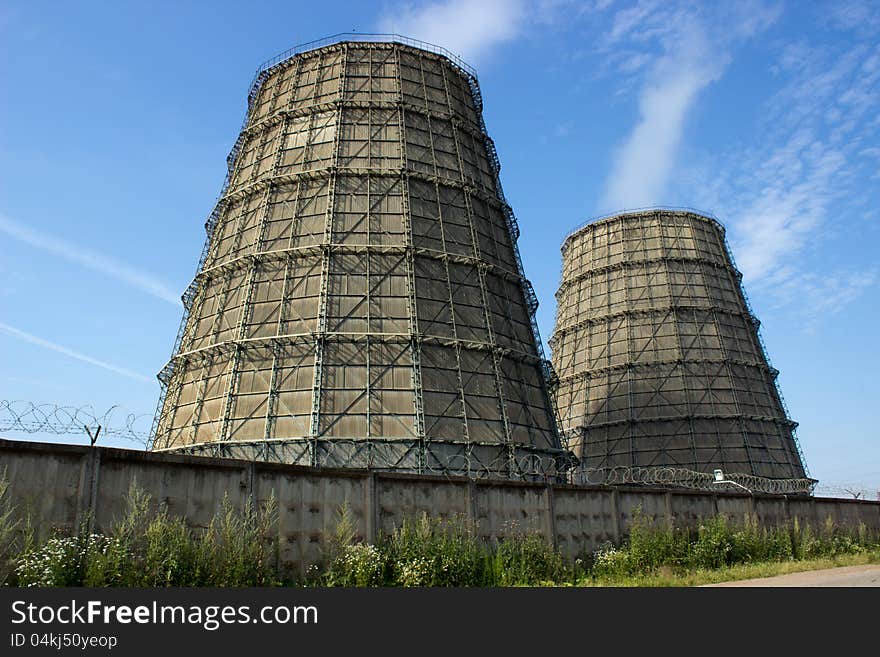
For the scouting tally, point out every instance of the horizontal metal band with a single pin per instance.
(294, 253)
(634, 264)
(311, 339)
(564, 330)
(378, 441)
(599, 371)
(325, 173)
(473, 128)
(780, 421)
(427, 456)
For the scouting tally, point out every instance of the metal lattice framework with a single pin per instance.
(474, 460)
(658, 353)
(360, 293)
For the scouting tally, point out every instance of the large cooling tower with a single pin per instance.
(658, 354)
(360, 300)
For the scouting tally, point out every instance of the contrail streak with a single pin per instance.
(140, 280)
(33, 339)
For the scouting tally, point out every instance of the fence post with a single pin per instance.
(83, 490)
(615, 513)
(551, 515)
(472, 503)
(250, 492)
(90, 477)
(371, 508)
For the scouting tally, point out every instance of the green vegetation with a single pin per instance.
(149, 547)
(152, 548)
(699, 576)
(447, 553)
(432, 552)
(720, 550)
(9, 544)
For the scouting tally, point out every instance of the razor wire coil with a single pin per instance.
(444, 458)
(31, 417)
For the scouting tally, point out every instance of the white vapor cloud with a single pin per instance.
(33, 339)
(470, 28)
(94, 261)
(643, 164)
(692, 52)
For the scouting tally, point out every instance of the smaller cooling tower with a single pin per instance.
(658, 353)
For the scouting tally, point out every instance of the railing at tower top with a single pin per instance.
(266, 67)
(670, 208)
(364, 37)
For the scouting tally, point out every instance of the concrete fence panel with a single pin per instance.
(585, 519)
(409, 496)
(61, 486)
(503, 509)
(51, 485)
(309, 508)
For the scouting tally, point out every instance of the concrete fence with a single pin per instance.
(60, 486)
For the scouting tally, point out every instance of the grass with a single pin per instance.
(447, 553)
(719, 550)
(700, 576)
(149, 547)
(9, 535)
(433, 552)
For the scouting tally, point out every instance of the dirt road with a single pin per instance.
(845, 576)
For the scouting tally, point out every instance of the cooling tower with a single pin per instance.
(658, 353)
(360, 301)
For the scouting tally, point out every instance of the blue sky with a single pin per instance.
(117, 118)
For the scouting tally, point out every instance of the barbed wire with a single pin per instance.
(31, 417)
(460, 459)
(857, 491)
(691, 479)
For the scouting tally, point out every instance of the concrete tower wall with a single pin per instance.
(658, 354)
(361, 300)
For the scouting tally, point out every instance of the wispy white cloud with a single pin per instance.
(86, 258)
(804, 174)
(858, 15)
(680, 51)
(470, 28)
(817, 296)
(810, 155)
(643, 164)
(785, 202)
(53, 346)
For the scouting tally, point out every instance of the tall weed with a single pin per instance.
(149, 548)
